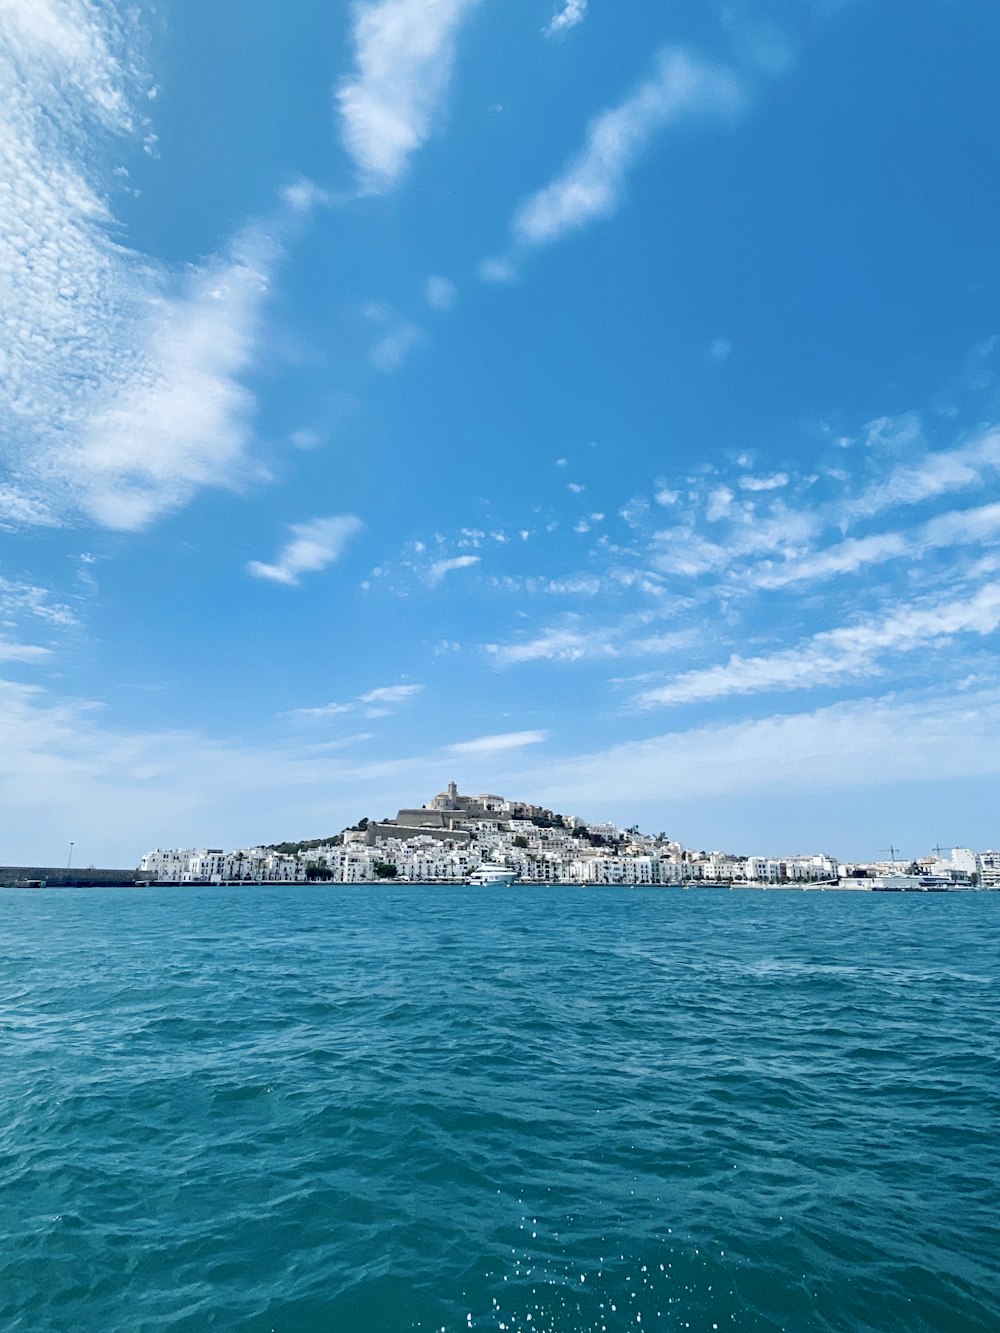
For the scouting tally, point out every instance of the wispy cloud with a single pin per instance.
(772, 483)
(397, 336)
(303, 195)
(510, 740)
(942, 472)
(306, 438)
(122, 388)
(391, 694)
(866, 743)
(320, 713)
(829, 658)
(572, 13)
(757, 43)
(440, 293)
(63, 765)
(440, 568)
(18, 599)
(580, 642)
(312, 547)
(373, 703)
(22, 652)
(590, 187)
(958, 527)
(404, 51)
(563, 644)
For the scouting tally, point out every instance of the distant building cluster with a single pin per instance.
(452, 836)
(211, 865)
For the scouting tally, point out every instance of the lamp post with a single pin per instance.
(69, 859)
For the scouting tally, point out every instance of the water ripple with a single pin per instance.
(545, 1111)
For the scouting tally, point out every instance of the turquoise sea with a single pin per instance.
(377, 1109)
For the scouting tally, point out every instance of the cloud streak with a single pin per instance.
(833, 656)
(572, 13)
(440, 568)
(866, 743)
(487, 745)
(403, 56)
(591, 185)
(22, 652)
(373, 703)
(313, 546)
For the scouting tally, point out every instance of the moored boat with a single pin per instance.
(488, 875)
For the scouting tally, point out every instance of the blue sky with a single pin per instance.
(592, 403)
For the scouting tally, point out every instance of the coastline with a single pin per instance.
(115, 879)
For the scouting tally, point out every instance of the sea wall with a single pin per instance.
(59, 875)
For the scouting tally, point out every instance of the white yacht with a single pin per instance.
(488, 874)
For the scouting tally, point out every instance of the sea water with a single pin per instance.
(533, 1110)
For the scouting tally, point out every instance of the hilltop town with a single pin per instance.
(452, 836)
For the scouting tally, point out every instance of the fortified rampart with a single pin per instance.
(376, 833)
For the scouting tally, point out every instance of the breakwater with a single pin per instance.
(86, 877)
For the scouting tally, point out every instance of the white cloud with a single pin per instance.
(772, 483)
(303, 195)
(306, 438)
(958, 527)
(379, 702)
(397, 338)
(845, 557)
(577, 642)
(572, 13)
(682, 550)
(320, 713)
(720, 501)
(936, 474)
(440, 293)
(22, 652)
(18, 510)
(510, 740)
(404, 51)
(833, 656)
(719, 350)
(498, 270)
(78, 43)
(440, 568)
(864, 743)
(391, 694)
(17, 599)
(391, 350)
(313, 546)
(121, 388)
(591, 185)
(758, 44)
(183, 418)
(564, 644)
(342, 743)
